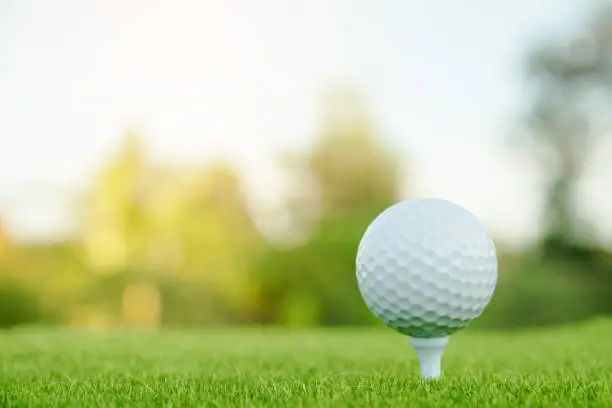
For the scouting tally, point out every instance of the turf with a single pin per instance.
(569, 366)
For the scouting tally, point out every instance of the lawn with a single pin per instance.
(569, 366)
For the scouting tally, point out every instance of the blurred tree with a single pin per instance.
(114, 225)
(168, 245)
(573, 83)
(348, 168)
(342, 184)
(203, 227)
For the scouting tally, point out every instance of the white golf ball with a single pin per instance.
(426, 267)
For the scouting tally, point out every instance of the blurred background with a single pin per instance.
(189, 163)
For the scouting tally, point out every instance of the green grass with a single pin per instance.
(570, 366)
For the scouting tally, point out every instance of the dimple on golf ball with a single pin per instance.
(426, 267)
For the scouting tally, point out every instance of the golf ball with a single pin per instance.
(426, 267)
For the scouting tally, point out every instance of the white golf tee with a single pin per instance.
(430, 351)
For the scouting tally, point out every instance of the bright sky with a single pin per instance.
(243, 79)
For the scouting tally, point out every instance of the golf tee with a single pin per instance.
(430, 351)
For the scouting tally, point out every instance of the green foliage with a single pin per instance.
(171, 235)
(18, 304)
(352, 178)
(318, 368)
(314, 282)
(161, 245)
(536, 294)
